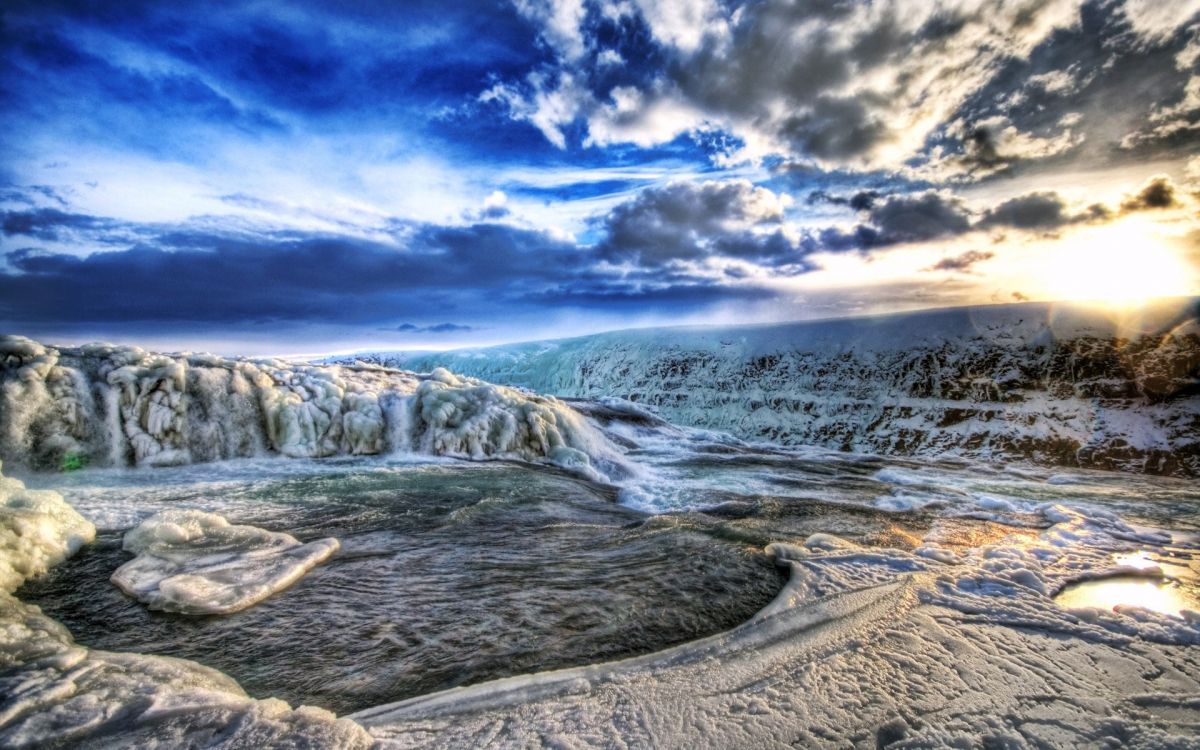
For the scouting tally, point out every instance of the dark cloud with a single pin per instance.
(1040, 211)
(49, 223)
(932, 215)
(437, 328)
(1032, 211)
(923, 216)
(863, 200)
(692, 221)
(955, 92)
(1091, 93)
(175, 273)
(896, 219)
(962, 262)
(1158, 192)
(194, 274)
(31, 195)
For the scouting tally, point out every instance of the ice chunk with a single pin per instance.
(38, 529)
(469, 418)
(193, 562)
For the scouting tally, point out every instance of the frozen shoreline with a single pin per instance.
(932, 646)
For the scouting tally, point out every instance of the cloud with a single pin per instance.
(838, 83)
(963, 262)
(921, 216)
(896, 219)
(1157, 193)
(49, 223)
(1040, 211)
(194, 273)
(437, 328)
(691, 221)
(932, 215)
(217, 274)
(942, 91)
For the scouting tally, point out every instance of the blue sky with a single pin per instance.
(287, 177)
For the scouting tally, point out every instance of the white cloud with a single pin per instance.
(1155, 20)
(560, 21)
(683, 24)
(496, 200)
(860, 85)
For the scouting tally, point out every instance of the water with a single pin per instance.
(453, 573)
(1155, 594)
(448, 574)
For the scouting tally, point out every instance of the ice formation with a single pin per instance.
(38, 529)
(193, 562)
(956, 643)
(872, 648)
(118, 406)
(54, 692)
(1051, 384)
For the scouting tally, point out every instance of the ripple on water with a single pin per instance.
(448, 575)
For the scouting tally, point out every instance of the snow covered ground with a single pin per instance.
(1054, 384)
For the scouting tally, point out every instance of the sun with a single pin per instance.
(1121, 264)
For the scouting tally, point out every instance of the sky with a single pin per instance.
(281, 178)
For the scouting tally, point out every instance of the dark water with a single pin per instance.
(449, 574)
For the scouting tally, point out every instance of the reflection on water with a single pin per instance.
(1155, 594)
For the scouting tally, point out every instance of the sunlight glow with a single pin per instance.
(1157, 595)
(1122, 264)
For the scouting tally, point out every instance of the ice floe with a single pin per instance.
(193, 562)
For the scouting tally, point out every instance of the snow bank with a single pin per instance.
(193, 562)
(1052, 384)
(119, 406)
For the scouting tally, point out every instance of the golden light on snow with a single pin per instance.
(1122, 265)
(1154, 594)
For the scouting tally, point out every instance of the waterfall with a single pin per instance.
(103, 405)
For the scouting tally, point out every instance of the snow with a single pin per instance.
(118, 406)
(1053, 384)
(195, 563)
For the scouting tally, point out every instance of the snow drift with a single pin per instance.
(1051, 384)
(121, 406)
